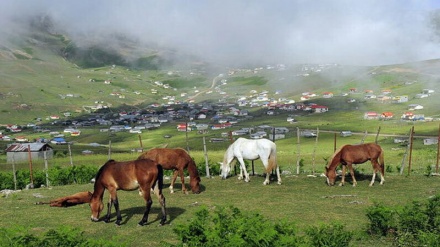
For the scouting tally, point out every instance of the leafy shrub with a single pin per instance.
(228, 226)
(329, 235)
(57, 176)
(62, 237)
(381, 219)
(416, 224)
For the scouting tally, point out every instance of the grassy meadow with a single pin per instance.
(304, 201)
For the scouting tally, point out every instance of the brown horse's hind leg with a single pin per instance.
(147, 211)
(118, 212)
(161, 198)
(377, 168)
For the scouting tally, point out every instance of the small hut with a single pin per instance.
(19, 152)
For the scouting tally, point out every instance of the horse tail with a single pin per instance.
(159, 179)
(272, 160)
(382, 161)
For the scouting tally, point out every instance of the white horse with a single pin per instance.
(243, 148)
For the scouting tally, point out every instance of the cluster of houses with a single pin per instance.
(408, 115)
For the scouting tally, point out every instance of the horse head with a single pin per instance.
(225, 169)
(96, 206)
(330, 174)
(195, 184)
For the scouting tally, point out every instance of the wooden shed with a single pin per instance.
(19, 152)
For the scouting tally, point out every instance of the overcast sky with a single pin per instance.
(360, 32)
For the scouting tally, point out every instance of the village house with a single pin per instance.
(319, 108)
(430, 141)
(371, 115)
(386, 115)
(327, 95)
(400, 99)
(19, 152)
(413, 107)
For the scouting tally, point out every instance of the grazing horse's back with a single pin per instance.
(249, 149)
(144, 175)
(348, 155)
(176, 159)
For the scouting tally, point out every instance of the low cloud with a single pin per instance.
(371, 32)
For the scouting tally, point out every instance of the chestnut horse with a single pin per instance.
(348, 155)
(128, 175)
(72, 200)
(176, 159)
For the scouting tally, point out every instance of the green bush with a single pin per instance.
(382, 219)
(332, 235)
(62, 237)
(416, 224)
(228, 226)
(57, 176)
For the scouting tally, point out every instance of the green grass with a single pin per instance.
(301, 200)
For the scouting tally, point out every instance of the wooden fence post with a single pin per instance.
(206, 158)
(298, 155)
(46, 168)
(410, 150)
(30, 166)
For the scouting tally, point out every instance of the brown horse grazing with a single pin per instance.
(348, 155)
(72, 200)
(129, 175)
(176, 159)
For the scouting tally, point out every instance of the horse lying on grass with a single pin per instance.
(144, 174)
(348, 155)
(72, 200)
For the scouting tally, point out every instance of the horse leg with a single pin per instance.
(243, 169)
(278, 175)
(265, 164)
(149, 202)
(377, 168)
(173, 180)
(240, 177)
(118, 212)
(350, 166)
(109, 209)
(342, 183)
(182, 180)
(113, 201)
(161, 198)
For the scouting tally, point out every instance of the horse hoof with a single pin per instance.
(341, 184)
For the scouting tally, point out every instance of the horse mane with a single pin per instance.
(227, 153)
(192, 169)
(98, 174)
(336, 154)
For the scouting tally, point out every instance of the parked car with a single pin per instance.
(346, 133)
